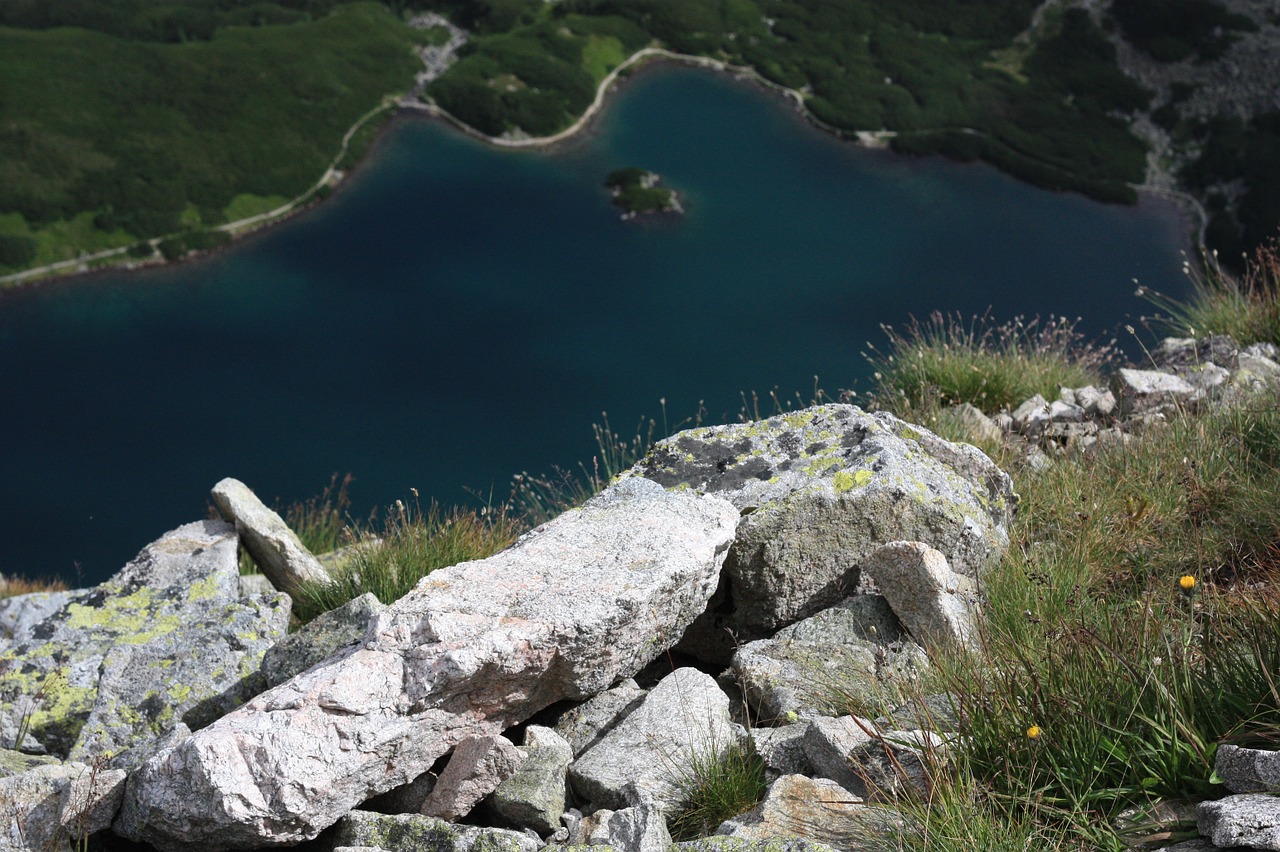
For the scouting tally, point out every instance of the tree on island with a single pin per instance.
(636, 191)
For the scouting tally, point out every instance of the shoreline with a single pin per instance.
(1189, 211)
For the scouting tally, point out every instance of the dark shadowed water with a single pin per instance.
(456, 314)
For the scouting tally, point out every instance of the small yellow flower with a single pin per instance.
(1187, 582)
(1033, 733)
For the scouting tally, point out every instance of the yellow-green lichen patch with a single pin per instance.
(132, 618)
(203, 590)
(846, 481)
(179, 692)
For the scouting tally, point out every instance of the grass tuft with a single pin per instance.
(716, 786)
(411, 544)
(945, 360)
(1244, 307)
(13, 586)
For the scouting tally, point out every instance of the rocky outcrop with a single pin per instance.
(472, 650)
(819, 490)
(403, 708)
(168, 637)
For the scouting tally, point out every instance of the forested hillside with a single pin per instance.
(131, 120)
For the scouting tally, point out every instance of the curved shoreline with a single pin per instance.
(1191, 212)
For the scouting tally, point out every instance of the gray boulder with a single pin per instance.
(417, 833)
(782, 749)
(1147, 391)
(851, 653)
(683, 721)
(1247, 819)
(1181, 353)
(896, 764)
(828, 742)
(320, 638)
(54, 806)
(17, 762)
(1248, 770)
(534, 796)
(19, 614)
(934, 603)
(586, 724)
(274, 547)
(740, 844)
(177, 604)
(819, 811)
(192, 677)
(472, 650)
(639, 828)
(818, 490)
(478, 765)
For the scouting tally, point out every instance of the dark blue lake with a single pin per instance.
(456, 314)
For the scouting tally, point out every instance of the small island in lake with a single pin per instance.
(636, 191)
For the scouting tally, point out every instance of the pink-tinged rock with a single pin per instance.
(477, 767)
(586, 599)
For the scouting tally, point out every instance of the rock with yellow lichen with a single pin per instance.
(168, 639)
(819, 490)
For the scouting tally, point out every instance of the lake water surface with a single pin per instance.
(458, 313)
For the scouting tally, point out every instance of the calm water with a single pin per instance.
(457, 314)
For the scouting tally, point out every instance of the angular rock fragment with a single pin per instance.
(417, 833)
(934, 603)
(683, 720)
(478, 765)
(782, 749)
(585, 725)
(320, 638)
(471, 651)
(828, 742)
(1246, 819)
(818, 490)
(820, 811)
(896, 764)
(1247, 770)
(534, 796)
(55, 806)
(850, 653)
(1145, 391)
(740, 844)
(639, 828)
(274, 547)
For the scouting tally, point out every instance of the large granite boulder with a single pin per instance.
(818, 490)
(167, 637)
(472, 650)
